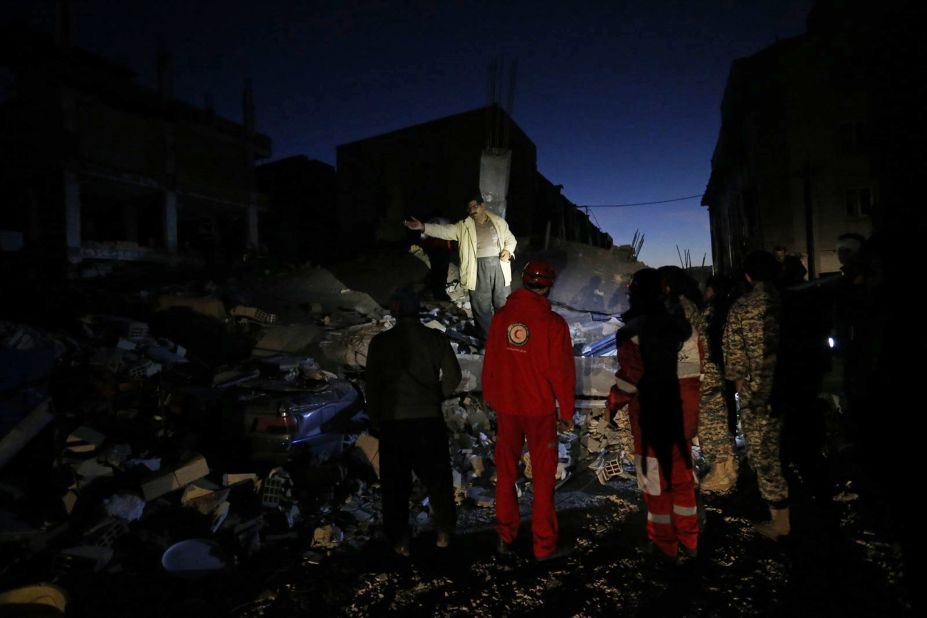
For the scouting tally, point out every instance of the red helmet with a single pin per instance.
(538, 272)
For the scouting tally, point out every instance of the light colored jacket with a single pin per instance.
(464, 232)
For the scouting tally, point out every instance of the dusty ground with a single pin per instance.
(839, 561)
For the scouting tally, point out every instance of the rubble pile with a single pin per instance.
(219, 430)
(194, 436)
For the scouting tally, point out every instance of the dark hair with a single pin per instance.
(476, 196)
(645, 294)
(680, 283)
(761, 265)
(404, 303)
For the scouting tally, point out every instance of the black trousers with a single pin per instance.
(420, 446)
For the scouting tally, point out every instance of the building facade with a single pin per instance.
(431, 170)
(95, 166)
(793, 167)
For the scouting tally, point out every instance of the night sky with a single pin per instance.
(621, 98)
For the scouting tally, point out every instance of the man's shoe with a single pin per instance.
(722, 478)
(503, 548)
(561, 551)
(686, 555)
(443, 540)
(402, 549)
(777, 527)
(650, 549)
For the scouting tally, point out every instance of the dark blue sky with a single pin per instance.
(621, 98)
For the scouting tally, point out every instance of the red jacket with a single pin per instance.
(631, 368)
(529, 359)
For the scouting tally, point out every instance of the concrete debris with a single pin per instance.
(482, 497)
(24, 431)
(293, 396)
(253, 313)
(124, 506)
(83, 558)
(476, 462)
(327, 537)
(234, 479)
(209, 306)
(287, 339)
(179, 477)
(92, 469)
(151, 463)
(348, 346)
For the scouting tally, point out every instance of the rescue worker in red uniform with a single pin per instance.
(528, 365)
(663, 410)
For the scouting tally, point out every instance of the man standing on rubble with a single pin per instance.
(411, 369)
(529, 363)
(751, 345)
(486, 246)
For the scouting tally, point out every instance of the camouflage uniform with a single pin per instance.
(714, 438)
(751, 340)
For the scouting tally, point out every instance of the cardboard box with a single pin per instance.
(371, 449)
(179, 477)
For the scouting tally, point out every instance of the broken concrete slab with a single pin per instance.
(204, 305)
(24, 431)
(84, 440)
(289, 295)
(287, 339)
(349, 346)
(91, 469)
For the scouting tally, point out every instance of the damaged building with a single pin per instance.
(98, 167)
(795, 162)
(429, 170)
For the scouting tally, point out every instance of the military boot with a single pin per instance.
(777, 527)
(722, 477)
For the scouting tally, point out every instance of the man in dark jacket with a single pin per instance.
(529, 363)
(411, 369)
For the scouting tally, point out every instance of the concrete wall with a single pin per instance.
(781, 145)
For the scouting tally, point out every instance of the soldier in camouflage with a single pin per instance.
(750, 343)
(715, 440)
(714, 437)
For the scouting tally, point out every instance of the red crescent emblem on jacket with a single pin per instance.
(518, 334)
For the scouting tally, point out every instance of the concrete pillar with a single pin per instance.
(72, 210)
(253, 237)
(170, 221)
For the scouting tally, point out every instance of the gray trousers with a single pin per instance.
(490, 293)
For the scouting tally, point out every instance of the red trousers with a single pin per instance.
(672, 515)
(541, 434)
